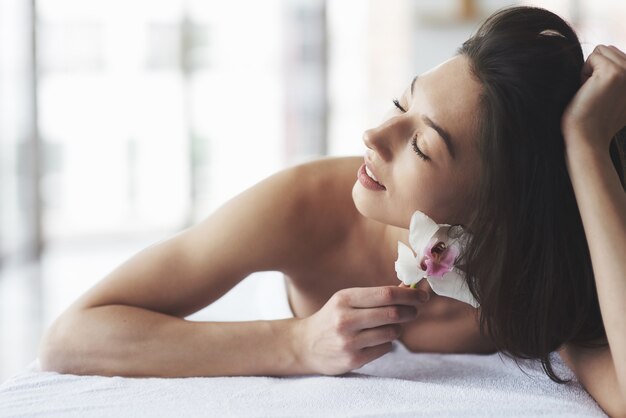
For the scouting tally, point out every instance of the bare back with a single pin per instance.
(348, 250)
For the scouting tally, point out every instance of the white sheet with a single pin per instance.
(397, 384)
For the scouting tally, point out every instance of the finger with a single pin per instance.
(595, 59)
(365, 318)
(612, 54)
(424, 286)
(375, 336)
(372, 353)
(369, 297)
(617, 51)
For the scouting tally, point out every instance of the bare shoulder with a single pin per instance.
(284, 220)
(327, 210)
(330, 175)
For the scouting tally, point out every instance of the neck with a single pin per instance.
(391, 235)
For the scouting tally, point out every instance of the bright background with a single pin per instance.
(124, 122)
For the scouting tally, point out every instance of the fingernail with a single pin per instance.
(423, 296)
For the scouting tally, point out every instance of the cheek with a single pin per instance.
(417, 187)
(454, 199)
(432, 192)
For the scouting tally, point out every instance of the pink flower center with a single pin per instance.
(438, 258)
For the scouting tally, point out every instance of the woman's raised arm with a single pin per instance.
(594, 116)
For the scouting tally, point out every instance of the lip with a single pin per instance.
(366, 181)
(369, 166)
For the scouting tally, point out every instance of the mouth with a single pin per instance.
(372, 176)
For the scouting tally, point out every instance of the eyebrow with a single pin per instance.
(443, 134)
(447, 139)
(413, 83)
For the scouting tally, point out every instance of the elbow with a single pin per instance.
(65, 348)
(54, 351)
(50, 353)
(617, 412)
(616, 408)
(49, 360)
(621, 408)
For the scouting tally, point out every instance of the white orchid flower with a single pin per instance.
(433, 257)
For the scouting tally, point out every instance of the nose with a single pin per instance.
(368, 138)
(381, 139)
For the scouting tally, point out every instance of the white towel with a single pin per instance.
(398, 384)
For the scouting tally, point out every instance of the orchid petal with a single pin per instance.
(443, 234)
(453, 285)
(428, 249)
(449, 255)
(407, 267)
(421, 230)
(436, 269)
(444, 278)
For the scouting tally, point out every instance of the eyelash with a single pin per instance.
(414, 140)
(398, 105)
(417, 150)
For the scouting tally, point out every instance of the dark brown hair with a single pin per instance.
(528, 263)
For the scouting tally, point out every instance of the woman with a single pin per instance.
(501, 140)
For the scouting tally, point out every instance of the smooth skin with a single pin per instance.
(595, 114)
(337, 250)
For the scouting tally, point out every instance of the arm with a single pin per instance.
(597, 111)
(131, 322)
(602, 204)
(595, 370)
(120, 340)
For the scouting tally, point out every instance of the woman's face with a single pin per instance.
(437, 116)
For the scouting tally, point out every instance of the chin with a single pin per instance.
(361, 202)
(372, 209)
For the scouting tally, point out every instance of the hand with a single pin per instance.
(598, 110)
(354, 327)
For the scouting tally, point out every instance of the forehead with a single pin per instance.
(449, 94)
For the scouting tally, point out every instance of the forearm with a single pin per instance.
(118, 340)
(602, 204)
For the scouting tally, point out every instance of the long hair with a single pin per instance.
(528, 262)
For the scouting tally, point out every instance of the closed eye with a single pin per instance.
(417, 150)
(414, 139)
